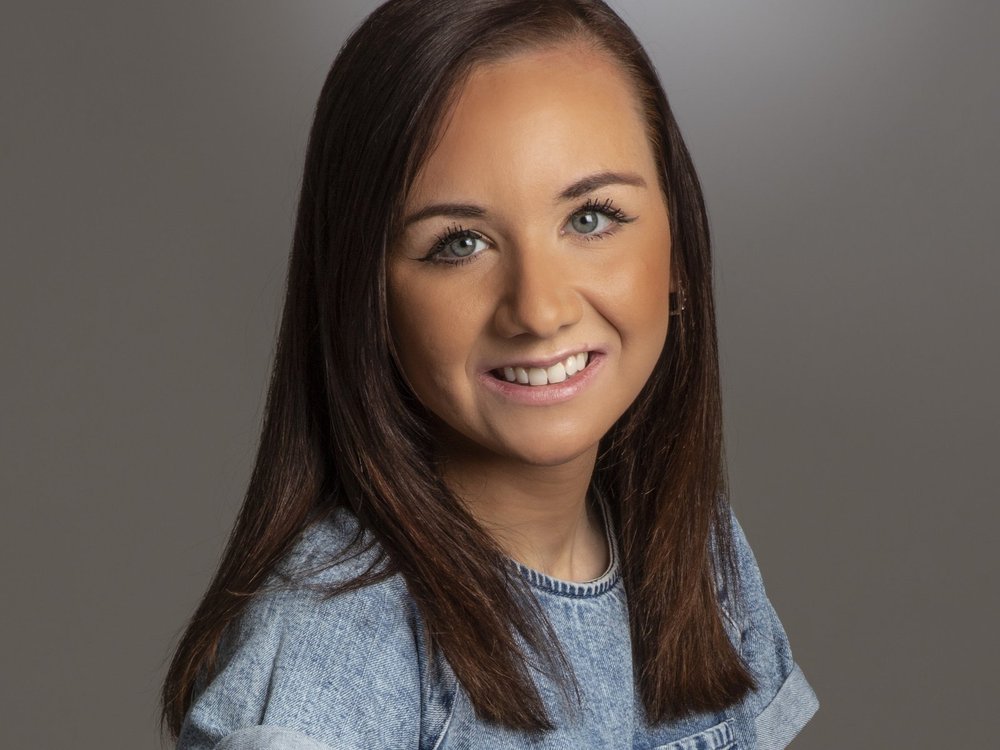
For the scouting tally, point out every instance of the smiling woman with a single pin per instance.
(565, 261)
(488, 506)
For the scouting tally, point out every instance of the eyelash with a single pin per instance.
(457, 232)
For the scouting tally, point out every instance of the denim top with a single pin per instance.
(351, 673)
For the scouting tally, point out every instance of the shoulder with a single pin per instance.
(295, 608)
(343, 669)
(333, 549)
(784, 701)
(328, 554)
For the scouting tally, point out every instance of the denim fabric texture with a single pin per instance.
(265, 737)
(350, 673)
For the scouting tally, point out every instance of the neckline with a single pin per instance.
(579, 589)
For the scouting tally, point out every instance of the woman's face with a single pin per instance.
(537, 230)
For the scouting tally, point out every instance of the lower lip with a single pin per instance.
(544, 395)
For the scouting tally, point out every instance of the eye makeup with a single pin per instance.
(437, 254)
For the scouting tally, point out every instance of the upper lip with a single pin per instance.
(543, 362)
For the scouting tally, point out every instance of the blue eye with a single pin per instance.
(461, 243)
(589, 222)
(590, 213)
(463, 246)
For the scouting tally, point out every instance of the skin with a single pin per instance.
(519, 132)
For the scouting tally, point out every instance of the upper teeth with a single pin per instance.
(557, 373)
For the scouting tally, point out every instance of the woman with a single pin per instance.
(488, 509)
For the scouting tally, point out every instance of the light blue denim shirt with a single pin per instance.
(351, 673)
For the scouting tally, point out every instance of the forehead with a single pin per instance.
(541, 117)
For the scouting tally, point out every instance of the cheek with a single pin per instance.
(638, 288)
(652, 286)
(427, 335)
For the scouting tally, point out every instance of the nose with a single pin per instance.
(539, 297)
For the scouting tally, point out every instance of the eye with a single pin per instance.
(588, 222)
(587, 219)
(455, 246)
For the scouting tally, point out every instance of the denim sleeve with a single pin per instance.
(270, 738)
(784, 701)
(301, 673)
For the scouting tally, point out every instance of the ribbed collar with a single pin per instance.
(582, 589)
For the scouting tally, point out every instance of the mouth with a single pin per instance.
(566, 369)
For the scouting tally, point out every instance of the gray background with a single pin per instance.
(149, 166)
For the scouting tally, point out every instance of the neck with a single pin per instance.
(539, 515)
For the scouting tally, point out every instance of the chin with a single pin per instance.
(558, 455)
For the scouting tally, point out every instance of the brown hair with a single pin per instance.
(331, 439)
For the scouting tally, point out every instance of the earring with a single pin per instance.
(674, 308)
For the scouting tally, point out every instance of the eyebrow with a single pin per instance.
(592, 182)
(577, 190)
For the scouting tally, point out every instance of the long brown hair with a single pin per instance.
(331, 438)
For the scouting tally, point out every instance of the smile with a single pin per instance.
(546, 386)
(535, 376)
